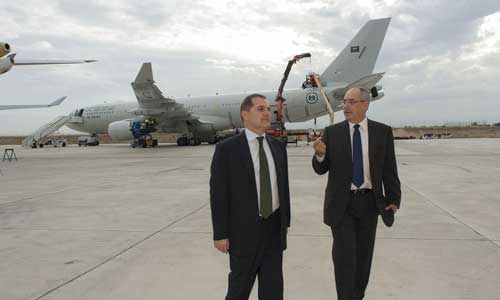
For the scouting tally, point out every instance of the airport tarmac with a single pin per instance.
(111, 222)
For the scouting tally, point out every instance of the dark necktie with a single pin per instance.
(266, 196)
(358, 177)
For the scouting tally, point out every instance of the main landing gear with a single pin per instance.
(188, 141)
(196, 141)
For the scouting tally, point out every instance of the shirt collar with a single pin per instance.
(252, 135)
(363, 124)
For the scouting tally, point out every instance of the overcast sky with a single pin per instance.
(441, 58)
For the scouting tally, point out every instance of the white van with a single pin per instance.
(87, 141)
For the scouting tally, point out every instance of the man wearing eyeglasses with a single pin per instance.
(363, 182)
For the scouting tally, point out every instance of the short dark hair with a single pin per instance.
(247, 103)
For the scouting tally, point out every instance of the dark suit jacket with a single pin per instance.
(233, 194)
(338, 162)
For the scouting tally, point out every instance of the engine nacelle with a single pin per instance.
(4, 49)
(377, 92)
(6, 63)
(120, 130)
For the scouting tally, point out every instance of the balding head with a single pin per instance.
(356, 102)
(364, 93)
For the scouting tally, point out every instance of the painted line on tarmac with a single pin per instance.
(451, 215)
(122, 252)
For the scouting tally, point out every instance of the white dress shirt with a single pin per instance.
(253, 144)
(363, 130)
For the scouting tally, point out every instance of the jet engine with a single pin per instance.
(120, 130)
(6, 63)
(377, 92)
(4, 49)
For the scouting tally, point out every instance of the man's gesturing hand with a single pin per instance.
(319, 147)
(222, 245)
(392, 207)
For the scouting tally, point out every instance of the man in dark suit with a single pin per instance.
(363, 182)
(250, 202)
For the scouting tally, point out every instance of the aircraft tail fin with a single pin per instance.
(145, 74)
(144, 86)
(359, 56)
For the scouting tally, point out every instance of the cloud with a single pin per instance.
(440, 58)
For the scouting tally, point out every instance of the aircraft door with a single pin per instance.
(230, 116)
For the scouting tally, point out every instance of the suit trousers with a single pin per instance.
(353, 243)
(266, 263)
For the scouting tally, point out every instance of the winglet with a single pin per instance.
(57, 102)
(145, 73)
(12, 56)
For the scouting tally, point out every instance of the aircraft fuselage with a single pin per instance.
(223, 111)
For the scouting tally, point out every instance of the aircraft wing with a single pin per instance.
(19, 62)
(367, 82)
(153, 103)
(55, 103)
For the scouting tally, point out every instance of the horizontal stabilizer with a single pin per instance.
(366, 82)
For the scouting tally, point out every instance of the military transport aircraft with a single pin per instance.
(199, 119)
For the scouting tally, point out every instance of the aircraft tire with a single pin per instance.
(212, 140)
(182, 141)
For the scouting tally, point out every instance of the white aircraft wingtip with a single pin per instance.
(58, 101)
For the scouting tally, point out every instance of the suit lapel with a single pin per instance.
(246, 157)
(371, 145)
(347, 137)
(276, 156)
(279, 164)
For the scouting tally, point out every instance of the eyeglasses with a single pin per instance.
(352, 101)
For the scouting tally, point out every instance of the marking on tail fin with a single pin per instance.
(362, 51)
(359, 56)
